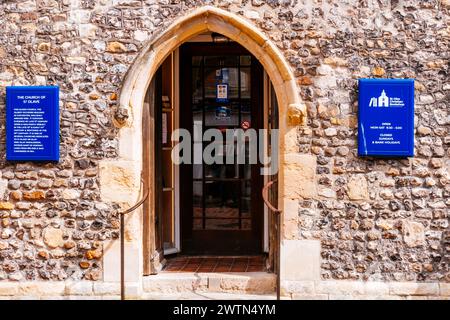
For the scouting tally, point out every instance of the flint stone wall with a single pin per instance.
(381, 220)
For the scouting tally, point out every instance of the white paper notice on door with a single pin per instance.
(164, 128)
(222, 91)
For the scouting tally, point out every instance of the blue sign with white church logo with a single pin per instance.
(32, 123)
(386, 117)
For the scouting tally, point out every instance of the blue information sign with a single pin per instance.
(32, 123)
(386, 117)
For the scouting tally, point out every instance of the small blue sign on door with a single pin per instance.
(386, 117)
(32, 123)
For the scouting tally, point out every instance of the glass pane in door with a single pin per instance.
(221, 205)
(221, 100)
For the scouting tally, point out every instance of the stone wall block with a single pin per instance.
(81, 288)
(119, 180)
(409, 288)
(340, 287)
(413, 233)
(444, 289)
(296, 115)
(301, 260)
(357, 188)
(299, 176)
(53, 237)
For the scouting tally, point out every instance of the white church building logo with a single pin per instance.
(384, 101)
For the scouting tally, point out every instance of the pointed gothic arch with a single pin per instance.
(201, 20)
(131, 162)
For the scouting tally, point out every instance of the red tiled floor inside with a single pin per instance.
(216, 264)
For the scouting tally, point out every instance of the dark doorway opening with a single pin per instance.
(221, 209)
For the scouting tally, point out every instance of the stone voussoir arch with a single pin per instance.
(204, 19)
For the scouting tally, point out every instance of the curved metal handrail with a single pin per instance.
(140, 202)
(144, 198)
(265, 195)
(122, 236)
(277, 213)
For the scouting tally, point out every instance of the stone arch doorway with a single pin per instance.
(132, 97)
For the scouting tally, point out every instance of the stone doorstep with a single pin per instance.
(237, 282)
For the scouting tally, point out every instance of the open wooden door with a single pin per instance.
(151, 128)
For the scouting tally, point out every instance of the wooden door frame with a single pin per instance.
(153, 250)
(153, 254)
